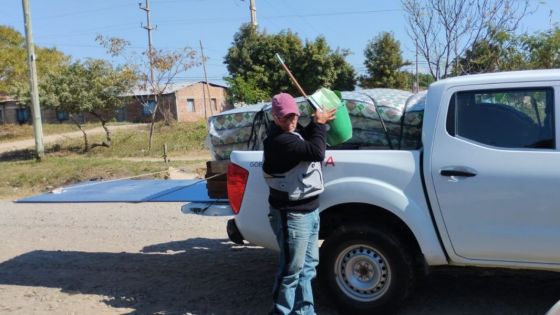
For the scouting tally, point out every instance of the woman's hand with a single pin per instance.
(323, 117)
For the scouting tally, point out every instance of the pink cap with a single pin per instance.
(284, 104)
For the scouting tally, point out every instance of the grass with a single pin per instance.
(13, 132)
(66, 164)
(26, 178)
(181, 139)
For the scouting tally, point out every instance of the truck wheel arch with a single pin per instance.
(360, 213)
(362, 237)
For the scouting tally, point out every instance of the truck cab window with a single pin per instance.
(516, 118)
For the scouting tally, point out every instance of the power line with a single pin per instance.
(190, 79)
(229, 19)
(47, 44)
(81, 12)
(337, 13)
(176, 1)
(89, 31)
(214, 20)
(311, 26)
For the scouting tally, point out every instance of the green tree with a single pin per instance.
(346, 78)
(94, 87)
(542, 49)
(499, 52)
(503, 52)
(245, 92)
(254, 70)
(12, 58)
(14, 73)
(383, 63)
(424, 80)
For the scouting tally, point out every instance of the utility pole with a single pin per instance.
(253, 9)
(207, 90)
(155, 85)
(550, 20)
(417, 84)
(33, 86)
(456, 56)
(149, 28)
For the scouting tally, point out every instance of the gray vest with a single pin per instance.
(302, 181)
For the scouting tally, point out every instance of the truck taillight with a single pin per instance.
(236, 182)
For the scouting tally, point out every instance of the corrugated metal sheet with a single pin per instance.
(128, 191)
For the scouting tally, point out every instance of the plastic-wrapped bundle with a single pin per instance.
(412, 121)
(376, 115)
(385, 118)
(244, 128)
(222, 152)
(372, 103)
(232, 130)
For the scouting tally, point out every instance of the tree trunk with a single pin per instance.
(152, 125)
(109, 141)
(151, 134)
(86, 143)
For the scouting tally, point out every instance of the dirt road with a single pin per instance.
(149, 258)
(28, 143)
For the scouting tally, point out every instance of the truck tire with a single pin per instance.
(365, 269)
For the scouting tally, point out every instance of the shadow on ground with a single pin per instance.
(484, 291)
(30, 154)
(209, 276)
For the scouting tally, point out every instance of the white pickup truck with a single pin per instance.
(483, 190)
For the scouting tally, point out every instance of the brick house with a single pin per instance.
(181, 101)
(14, 112)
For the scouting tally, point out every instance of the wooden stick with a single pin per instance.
(296, 83)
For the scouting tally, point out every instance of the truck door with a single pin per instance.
(496, 173)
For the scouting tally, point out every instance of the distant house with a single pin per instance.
(8, 110)
(181, 101)
(15, 112)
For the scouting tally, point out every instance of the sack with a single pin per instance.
(303, 181)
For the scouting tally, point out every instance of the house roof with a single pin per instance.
(170, 88)
(6, 98)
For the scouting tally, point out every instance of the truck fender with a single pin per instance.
(409, 207)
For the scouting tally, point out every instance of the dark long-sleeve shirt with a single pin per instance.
(284, 150)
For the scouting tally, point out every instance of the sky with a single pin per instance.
(71, 26)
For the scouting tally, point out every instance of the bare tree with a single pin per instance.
(445, 29)
(166, 66)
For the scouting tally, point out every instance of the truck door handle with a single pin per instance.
(457, 172)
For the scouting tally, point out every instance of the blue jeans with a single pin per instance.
(297, 234)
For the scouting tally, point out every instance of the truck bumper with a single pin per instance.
(207, 208)
(233, 232)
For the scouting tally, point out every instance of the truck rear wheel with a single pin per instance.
(365, 269)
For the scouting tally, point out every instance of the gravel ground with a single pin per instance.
(116, 258)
